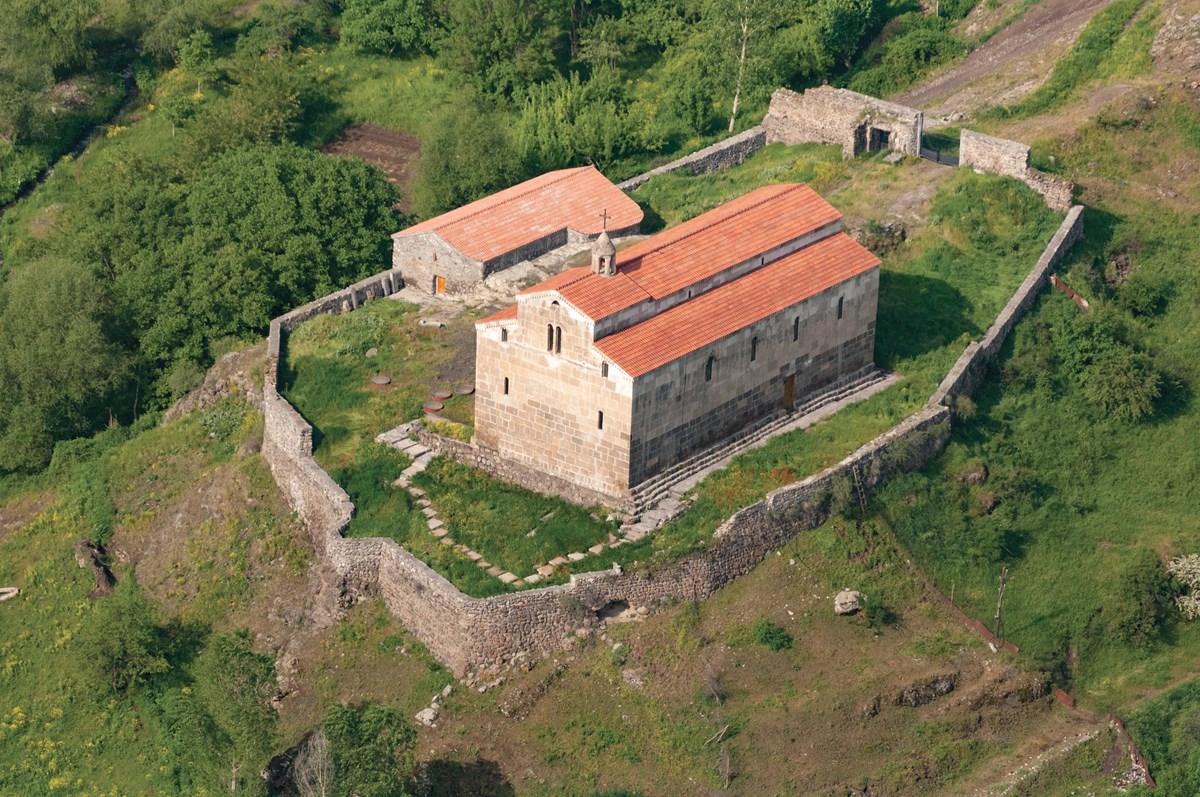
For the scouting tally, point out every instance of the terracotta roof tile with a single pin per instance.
(697, 249)
(666, 337)
(563, 199)
(507, 314)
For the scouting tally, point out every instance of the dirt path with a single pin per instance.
(1009, 65)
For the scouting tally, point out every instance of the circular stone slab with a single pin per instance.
(434, 406)
(464, 390)
(371, 352)
(380, 379)
(441, 395)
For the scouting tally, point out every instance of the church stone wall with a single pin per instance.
(826, 115)
(549, 420)
(993, 155)
(678, 412)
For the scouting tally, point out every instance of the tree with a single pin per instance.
(386, 26)
(123, 643)
(843, 23)
(1141, 600)
(503, 46)
(743, 31)
(468, 155)
(313, 769)
(50, 32)
(195, 57)
(59, 365)
(236, 685)
(372, 749)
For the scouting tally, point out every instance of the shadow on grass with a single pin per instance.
(478, 778)
(918, 314)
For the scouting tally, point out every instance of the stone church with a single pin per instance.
(455, 252)
(605, 375)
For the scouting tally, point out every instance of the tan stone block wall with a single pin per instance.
(549, 420)
(677, 412)
(424, 256)
(826, 115)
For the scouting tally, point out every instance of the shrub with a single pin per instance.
(1143, 295)
(765, 632)
(1141, 600)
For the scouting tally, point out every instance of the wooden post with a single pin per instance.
(1000, 601)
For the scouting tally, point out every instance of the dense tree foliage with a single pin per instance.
(372, 749)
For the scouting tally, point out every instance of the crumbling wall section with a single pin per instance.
(993, 155)
(825, 115)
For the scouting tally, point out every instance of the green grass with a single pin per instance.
(941, 288)
(1108, 46)
(1167, 731)
(1080, 492)
(496, 519)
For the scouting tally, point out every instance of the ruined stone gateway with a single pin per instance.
(605, 376)
(859, 123)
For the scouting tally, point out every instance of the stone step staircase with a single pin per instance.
(661, 498)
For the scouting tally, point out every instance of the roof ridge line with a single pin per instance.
(790, 187)
(564, 174)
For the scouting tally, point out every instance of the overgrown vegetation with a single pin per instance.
(1084, 433)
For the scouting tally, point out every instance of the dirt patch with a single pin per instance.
(392, 151)
(1176, 48)
(1018, 59)
(20, 511)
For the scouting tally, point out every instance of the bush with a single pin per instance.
(1142, 598)
(1143, 295)
(765, 632)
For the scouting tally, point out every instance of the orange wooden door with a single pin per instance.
(439, 284)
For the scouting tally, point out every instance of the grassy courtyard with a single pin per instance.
(973, 241)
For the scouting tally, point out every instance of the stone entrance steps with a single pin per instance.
(660, 498)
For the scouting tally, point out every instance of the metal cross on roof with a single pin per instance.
(603, 214)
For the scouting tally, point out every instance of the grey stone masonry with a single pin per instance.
(723, 154)
(859, 123)
(993, 155)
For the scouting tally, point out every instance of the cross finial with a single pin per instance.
(603, 214)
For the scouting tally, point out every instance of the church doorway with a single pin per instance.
(439, 284)
(789, 391)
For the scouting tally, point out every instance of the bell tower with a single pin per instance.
(604, 254)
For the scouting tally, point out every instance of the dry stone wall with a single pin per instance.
(993, 155)
(725, 153)
(469, 634)
(968, 370)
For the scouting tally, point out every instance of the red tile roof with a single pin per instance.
(696, 249)
(564, 199)
(507, 314)
(689, 326)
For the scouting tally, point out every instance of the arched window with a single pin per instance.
(753, 349)
(841, 303)
(558, 340)
(506, 385)
(603, 369)
(708, 368)
(503, 334)
(796, 328)
(549, 337)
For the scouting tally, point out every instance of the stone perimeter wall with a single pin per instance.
(471, 635)
(993, 155)
(727, 152)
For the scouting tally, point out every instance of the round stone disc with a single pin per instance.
(464, 390)
(380, 379)
(434, 406)
(441, 395)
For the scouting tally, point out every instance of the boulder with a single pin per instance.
(89, 554)
(428, 716)
(848, 601)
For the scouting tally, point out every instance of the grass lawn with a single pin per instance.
(1074, 495)
(939, 289)
(513, 528)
